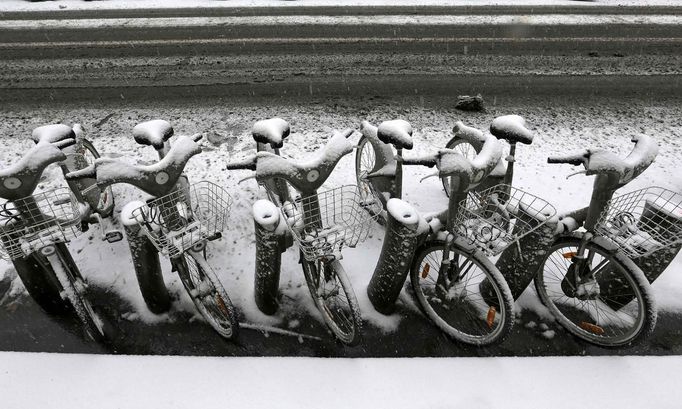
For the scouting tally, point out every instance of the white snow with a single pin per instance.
(155, 131)
(23, 5)
(513, 124)
(266, 214)
(403, 212)
(132, 382)
(273, 129)
(397, 130)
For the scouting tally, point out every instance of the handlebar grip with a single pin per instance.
(428, 162)
(87, 172)
(65, 143)
(249, 163)
(577, 159)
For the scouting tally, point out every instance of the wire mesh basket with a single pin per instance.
(495, 218)
(643, 221)
(174, 224)
(322, 224)
(33, 222)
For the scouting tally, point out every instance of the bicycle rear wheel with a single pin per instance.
(334, 297)
(461, 311)
(101, 200)
(611, 319)
(365, 160)
(74, 289)
(207, 293)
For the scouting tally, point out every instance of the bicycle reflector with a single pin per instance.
(425, 271)
(490, 319)
(593, 328)
(570, 254)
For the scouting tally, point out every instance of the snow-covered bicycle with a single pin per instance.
(178, 221)
(321, 223)
(592, 266)
(36, 226)
(447, 268)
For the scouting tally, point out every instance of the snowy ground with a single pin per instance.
(560, 127)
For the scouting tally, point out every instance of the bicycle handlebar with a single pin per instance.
(576, 159)
(428, 161)
(308, 176)
(248, 163)
(598, 161)
(157, 179)
(21, 179)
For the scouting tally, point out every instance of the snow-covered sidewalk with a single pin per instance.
(60, 381)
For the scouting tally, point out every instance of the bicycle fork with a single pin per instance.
(579, 281)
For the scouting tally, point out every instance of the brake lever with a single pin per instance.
(576, 173)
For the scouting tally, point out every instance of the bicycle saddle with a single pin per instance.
(397, 132)
(307, 176)
(511, 128)
(52, 133)
(153, 133)
(157, 180)
(20, 179)
(271, 131)
(598, 161)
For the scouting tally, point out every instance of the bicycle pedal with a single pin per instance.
(112, 236)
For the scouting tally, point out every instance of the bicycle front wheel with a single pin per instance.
(334, 298)
(75, 290)
(456, 305)
(621, 313)
(207, 293)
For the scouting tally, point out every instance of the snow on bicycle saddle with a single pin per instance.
(271, 131)
(52, 133)
(396, 132)
(511, 128)
(157, 179)
(154, 133)
(20, 179)
(310, 175)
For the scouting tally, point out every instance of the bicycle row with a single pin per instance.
(592, 267)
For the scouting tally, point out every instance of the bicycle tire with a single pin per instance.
(463, 147)
(614, 263)
(42, 285)
(149, 275)
(365, 165)
(75, 290)
(217, 309)
(483, 324)
(100, 200)
(348, 332)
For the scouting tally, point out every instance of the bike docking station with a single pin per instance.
(406, 229)
(145, 259)
(271, 241)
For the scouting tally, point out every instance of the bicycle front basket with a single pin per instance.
(322, 224)
(33, 222)
(643, 221)
(179, 220)
(499, 216)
